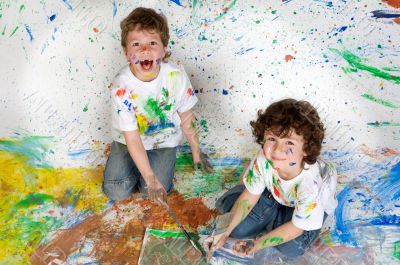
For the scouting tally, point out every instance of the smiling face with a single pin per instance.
(285, 152)
(145, 51)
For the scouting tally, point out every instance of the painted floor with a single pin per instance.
(54, 215)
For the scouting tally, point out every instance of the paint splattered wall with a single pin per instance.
(58, 59)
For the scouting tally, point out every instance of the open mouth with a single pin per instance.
(146, 64)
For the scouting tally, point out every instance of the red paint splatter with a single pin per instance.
(190, 91)
(393, 3)
(397, 20)
(276, 192)
(95, 30)
(120, 92)
(288, 57)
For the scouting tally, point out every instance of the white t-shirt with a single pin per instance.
(311, 193)
(151, 107)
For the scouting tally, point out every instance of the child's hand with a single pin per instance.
(219, 241)
(156, 191)
(203, 164)
(244, 247)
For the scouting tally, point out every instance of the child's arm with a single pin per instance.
(136, 149)
(189, 129)
(279, 235)
(242, 207)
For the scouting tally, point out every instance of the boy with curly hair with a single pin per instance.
(152, 103)
(287, 192)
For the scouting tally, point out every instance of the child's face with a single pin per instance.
(286, 153)
(145, 51)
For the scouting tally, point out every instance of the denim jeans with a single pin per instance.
(267, 215)
(122, 177)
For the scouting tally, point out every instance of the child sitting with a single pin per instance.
(287, 192)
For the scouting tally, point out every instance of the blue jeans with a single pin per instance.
(267, 215)
(122, 177)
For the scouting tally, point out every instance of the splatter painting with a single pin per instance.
(60, 57)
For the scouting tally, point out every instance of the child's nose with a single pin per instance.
(145, 47)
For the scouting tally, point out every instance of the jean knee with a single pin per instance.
(118, 190)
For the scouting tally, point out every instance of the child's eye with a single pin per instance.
(290, 143)
(270, 139)
(135, 44)
(152, 43)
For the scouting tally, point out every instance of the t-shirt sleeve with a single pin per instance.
(122, 108)
(256, 175)
(309, 212)
(186, 96)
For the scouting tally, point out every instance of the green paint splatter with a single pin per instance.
(257, 21)
(172, 42)
(12, 33)
(203, 124)
(250, 176)
(273, 12)
(244, 208)
(86, 108)
(4, 30)
(396, 252)
(272, 241)
(194, 4)
(21, 8)
(380, 101)
(31, 149)
(356, 63)
(192, 125)
(167, 234)
(225, 10)
(154, 110)
(382, 124)
(274, 41)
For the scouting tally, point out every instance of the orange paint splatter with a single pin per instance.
(95, 30)
(120, 92)
(393, 3)
(190, 91)
(397, 20)
(288, 57)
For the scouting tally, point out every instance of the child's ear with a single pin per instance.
(126, 54)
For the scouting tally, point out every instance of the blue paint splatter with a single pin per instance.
(76, 154)
(52, 17)
(28, 30)
(224, 92)
(243, 51)
(67, 4)
(385, 14)
(178, 2)
(115, 8)
(292, 164)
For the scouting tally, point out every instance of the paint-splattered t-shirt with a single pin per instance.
(151, 107)
(311, 193)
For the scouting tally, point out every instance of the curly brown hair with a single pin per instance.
(284, 116)
(142, 18)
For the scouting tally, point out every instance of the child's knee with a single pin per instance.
(117, 190)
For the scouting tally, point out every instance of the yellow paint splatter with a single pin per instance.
(311, 206)
(142, 122)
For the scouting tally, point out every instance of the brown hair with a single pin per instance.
(283, 116)
(142, 18)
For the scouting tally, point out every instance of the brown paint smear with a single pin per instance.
(393, 3)
(123, 247)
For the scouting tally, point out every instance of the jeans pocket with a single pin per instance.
(265, 207)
